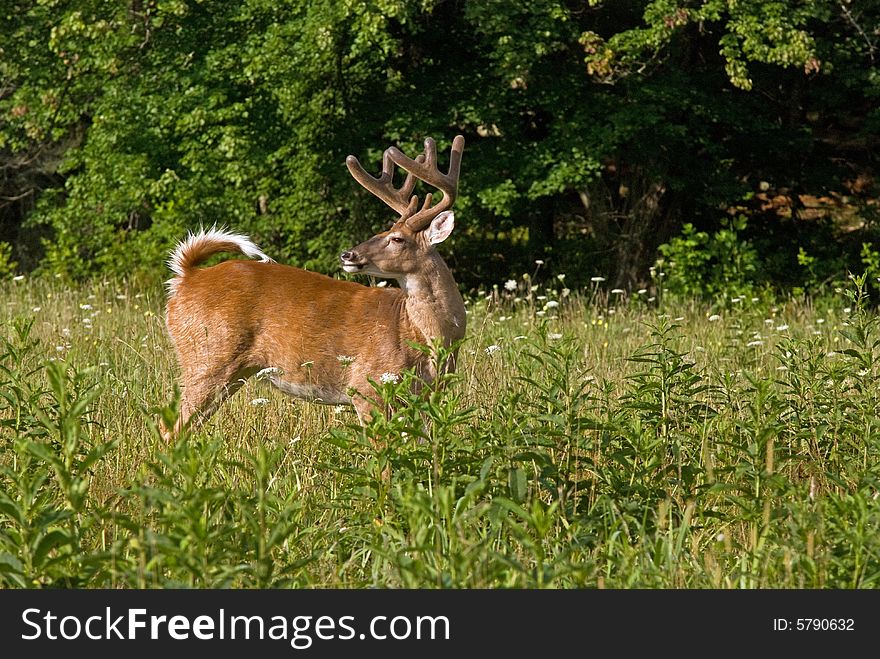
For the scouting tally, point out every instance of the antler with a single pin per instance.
(423, 167)
(383, 186)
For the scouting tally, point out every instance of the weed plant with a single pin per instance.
(588, 439)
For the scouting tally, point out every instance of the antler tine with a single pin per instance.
(383, 185)
(425, 168)
(455, 158)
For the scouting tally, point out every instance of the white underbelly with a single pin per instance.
(311, 392)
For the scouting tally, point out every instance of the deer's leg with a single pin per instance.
(203, 393)
(365, 408)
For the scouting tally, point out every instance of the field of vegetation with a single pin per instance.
(589, 439)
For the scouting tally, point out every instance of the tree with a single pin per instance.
(595, 131)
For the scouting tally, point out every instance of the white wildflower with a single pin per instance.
(617, 291)
(551, 304)
(492, 349)
(642, 291)
(781, 328)
(389, 378)
(596, 280)
(266, 372)
(85, 307)
(753, 344)
(714, 317)
(36, 309)
(382, 284)
(561, 276)
(510, 285)
(554, 337)
(259, 401)
(539, 262)
(345, 360)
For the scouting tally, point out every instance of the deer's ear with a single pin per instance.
(441, 226)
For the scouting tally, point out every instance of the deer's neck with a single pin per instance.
(433, 304)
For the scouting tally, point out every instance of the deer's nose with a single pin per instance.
(348, 256)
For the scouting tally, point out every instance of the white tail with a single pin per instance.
(316, 337)
(199, 246)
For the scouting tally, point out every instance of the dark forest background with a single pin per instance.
(735, 141)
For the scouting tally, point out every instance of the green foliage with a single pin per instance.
(871, 266)
(700, 264)
(772, 32)
(44, 490)
(125, 125)
(7, 265)
(584, 441)
(182, 532)
(194, 530)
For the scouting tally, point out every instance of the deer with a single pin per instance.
(316, 337)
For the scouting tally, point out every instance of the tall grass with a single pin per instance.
(588, 439)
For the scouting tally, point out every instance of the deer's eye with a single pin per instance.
(396, 239)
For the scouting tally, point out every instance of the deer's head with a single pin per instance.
(404, 248)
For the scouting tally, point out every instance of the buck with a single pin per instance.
(315, 337)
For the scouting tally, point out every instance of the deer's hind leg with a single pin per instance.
(203, 392)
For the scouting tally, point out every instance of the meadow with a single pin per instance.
(589, 439)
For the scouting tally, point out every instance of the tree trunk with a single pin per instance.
(627, 210)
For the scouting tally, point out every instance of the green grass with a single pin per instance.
(588, 439)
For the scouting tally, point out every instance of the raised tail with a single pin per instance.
(199, 246)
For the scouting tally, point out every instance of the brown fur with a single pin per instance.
(229, 321)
